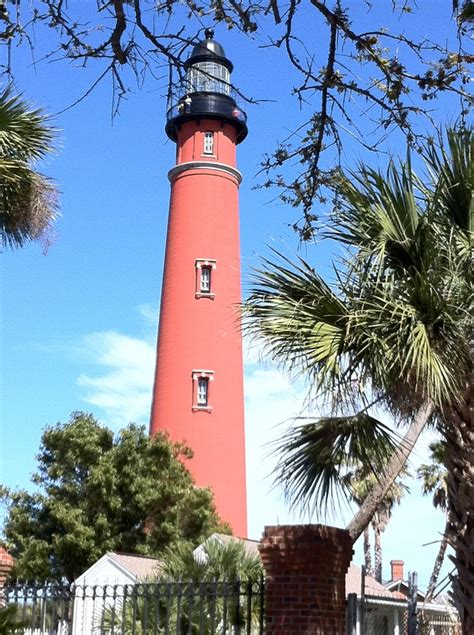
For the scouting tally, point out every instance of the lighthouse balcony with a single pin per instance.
(197, 106)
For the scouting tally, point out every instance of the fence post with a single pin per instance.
(6, 563)
(305, 567)
(352, 614)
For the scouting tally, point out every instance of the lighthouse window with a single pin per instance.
(201, 384)
(208, 143)
(202, 391)
(204, 276)
(205, 280)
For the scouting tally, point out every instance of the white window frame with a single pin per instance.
(211, 265)
(198, 375)
(208, 143)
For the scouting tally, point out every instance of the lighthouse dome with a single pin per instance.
(208, 50)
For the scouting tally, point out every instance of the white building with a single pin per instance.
(103, 586)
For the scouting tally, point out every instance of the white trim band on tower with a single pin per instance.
(204, 165)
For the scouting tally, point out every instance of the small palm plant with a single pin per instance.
(198, 592)
(9, 620)
(223, 572)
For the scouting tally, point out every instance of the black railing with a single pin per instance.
(206, 104)
(168, 608)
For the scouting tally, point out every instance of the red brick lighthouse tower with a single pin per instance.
(198, 391)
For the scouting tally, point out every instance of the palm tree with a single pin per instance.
(28, 200)
(435, 481)
(224, 566)
(362, 480)
(393, 327)
(219, 558)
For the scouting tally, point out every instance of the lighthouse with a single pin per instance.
(198, 389)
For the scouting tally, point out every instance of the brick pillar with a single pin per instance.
(305, 567)
(6, 563)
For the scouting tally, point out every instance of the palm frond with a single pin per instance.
(452, 173)
(28, 200)
(434, 475)
(315, 457)
(379, 216)
(28, 204)
(25, 134)
(416, 341)
(300, 319)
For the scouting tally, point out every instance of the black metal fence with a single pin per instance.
(168, 608)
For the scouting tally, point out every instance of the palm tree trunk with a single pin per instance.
(368, 508)
(377, 553)
(367, 554)
(438, 564)
(460, 464)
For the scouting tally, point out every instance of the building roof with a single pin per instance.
(372, 587)
(140, 566)
(251, 546)
(400, 588)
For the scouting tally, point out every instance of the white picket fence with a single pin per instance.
(63, 628)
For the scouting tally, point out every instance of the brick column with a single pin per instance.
(305, 567)
(6, 563)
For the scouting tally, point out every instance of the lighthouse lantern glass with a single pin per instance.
(208, 77)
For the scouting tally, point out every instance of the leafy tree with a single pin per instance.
(435, 481)
(99, 492)
(28, 200)
(394, 327)
(367, 58)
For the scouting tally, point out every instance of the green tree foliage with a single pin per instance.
(28, 200)
(10, 622)
(99, 492)
(394, 327)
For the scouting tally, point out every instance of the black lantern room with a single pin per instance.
(206, 92)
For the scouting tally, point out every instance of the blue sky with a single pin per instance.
(79, 322)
